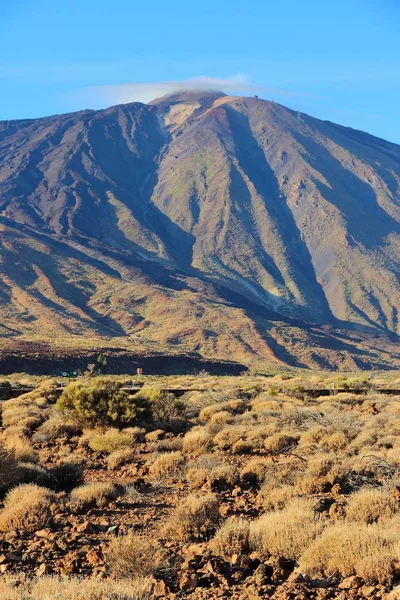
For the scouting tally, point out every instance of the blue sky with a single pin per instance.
(336, 60)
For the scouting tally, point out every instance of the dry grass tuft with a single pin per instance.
(197, 441)
(195, 519)
(288, 532)
(371, 505)
(119, 458)
(167, 465)
(132, 555)
(354, 549)
(231, 538)
(110, 440)
(97, 493)
(26, 508)
(68, 588)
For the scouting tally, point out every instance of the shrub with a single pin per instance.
(33, 473)
(371, 505)
(195, 519)
(226, 438)
(354, 549)
(66, 476)
(286, 533)
(8, 468)
(119, 458)
(222, 477)
(74, 588)
(253, 472)
(101, 403)
(231, 538)
(22, 448)
(133, 556)
(276, 498)
(109, 441)
(26, 508)
(196, 477)
(96, 493)
(197, 441)
(166, 465)
(56, 427)
(279, 443)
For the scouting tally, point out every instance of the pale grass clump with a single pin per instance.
(197, 441)
(233, 407)
(98, 493)
(231, 538)
(196, 477)
(288, 532)
(230, 435)
(26, 508)
(119, 458)
(74, 588)
(167, 465)
(276, 498)
(354, 549)
(253, 472)
(195, 519)
(280, 443)
(8, 468)
(56, 427)
(109, 441)
(222, 476)
(371, 505)
(132, 555)
(335, 441)
(22, 448)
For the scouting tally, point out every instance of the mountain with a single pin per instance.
(228, 226)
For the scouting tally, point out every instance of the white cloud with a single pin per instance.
(107, 95)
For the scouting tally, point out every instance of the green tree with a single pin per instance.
(102, 403)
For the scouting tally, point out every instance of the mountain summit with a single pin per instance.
(229, 226)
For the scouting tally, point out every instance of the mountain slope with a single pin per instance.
(223, 225)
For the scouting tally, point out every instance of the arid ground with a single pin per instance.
(202, 487)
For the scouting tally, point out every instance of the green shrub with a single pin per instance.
(102, 403)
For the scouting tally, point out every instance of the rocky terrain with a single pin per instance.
(245, 488)
(204, 223)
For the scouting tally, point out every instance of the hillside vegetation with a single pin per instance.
(206, 223)
(240, 488)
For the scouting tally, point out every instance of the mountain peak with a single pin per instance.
(183, 96)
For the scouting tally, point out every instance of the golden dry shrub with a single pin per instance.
(22, 448)
(222, 477)
(167, 465)
(8, 468)
(370, 505)
(196, 477)
(208, 411)
(280, 443)
(229, 436)
(195, 519)
(98, 493)
(354, 549)
(26, 508)
(276, 498)
(253, 472)
(197, 441)
(56, 427)
(74, 588)
(318, 476)
(288, 532)
(132, 555)
(231, 538)
(109, 440)
(119, 458)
